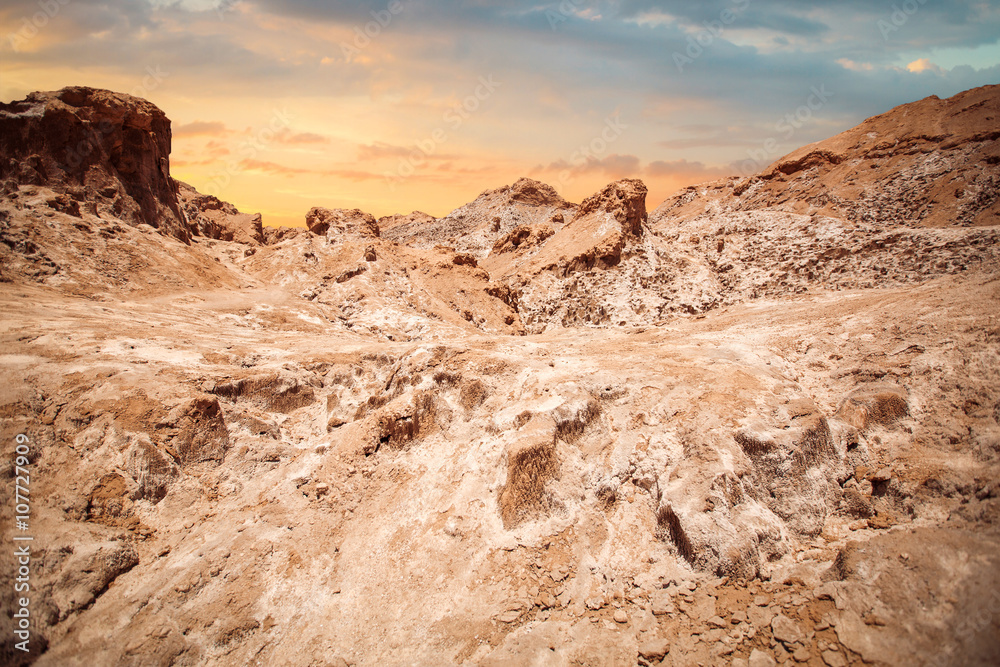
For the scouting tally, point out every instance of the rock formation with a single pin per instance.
(338, 223)
(476, 227)
(757, 425)
(931, 163)
(212, 218)
(106, 150)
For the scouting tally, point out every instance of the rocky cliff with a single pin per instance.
(105, 151)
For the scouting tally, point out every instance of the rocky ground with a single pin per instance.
(531, 432)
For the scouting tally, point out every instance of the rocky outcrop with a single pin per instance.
(212, 218)
(522, 238)
(598, 232)
(274, 235)
(410, 226)
(340, 223)
(107, 150)
(535, 193)
(476, 227)
(623, 200)
(594, 237)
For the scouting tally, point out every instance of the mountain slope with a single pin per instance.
(931, 163)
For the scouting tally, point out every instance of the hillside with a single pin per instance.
(931, 163)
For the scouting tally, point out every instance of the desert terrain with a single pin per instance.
(756, 424)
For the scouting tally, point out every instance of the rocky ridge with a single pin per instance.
(212, 218)
(930, 163)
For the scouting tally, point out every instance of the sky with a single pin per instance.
(392, 106)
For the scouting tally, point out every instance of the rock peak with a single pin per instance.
(535, 193)
(624, 199)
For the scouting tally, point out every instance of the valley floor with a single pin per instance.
(222, 477)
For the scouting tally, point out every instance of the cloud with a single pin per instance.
(273, 168)
(631, 166)
(847, 63)
(288, 137)
(277, 169)
(923, 65)
(686, 169)
(199, 128)
(379, 150)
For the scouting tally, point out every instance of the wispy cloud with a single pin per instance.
(201, 128)
(292, 138)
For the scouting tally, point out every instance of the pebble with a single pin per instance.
(834, 659)
(760, 659)
(654, 649)
(785, 629)
(621, 616)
